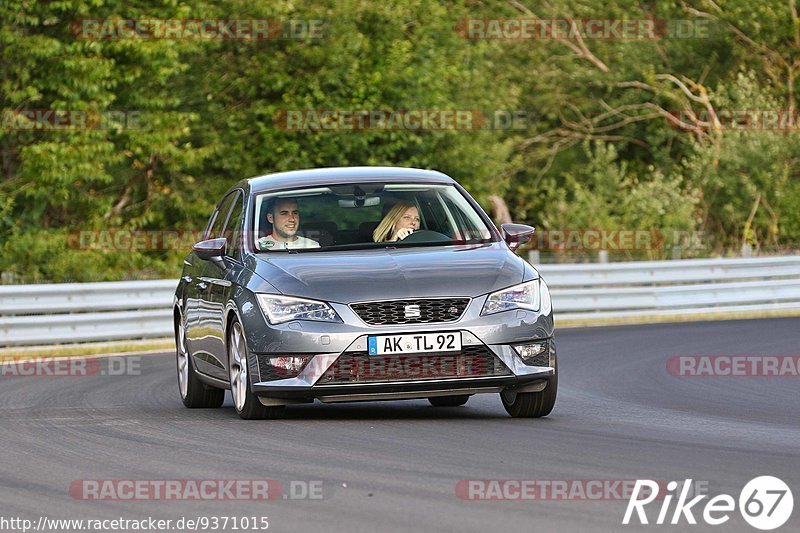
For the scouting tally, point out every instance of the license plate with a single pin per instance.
(422, 343)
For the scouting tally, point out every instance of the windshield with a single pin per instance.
(365, 215)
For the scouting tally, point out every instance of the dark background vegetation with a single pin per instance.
(599, 147)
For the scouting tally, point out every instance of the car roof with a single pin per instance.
(328, 176)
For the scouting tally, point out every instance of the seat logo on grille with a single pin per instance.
(412, 311)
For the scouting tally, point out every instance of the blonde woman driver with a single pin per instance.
(399, 223)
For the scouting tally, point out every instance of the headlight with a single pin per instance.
(285, 308)
(523, 296)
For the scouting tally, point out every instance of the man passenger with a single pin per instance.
(284, 216)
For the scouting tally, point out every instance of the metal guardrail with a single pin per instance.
(671, 289)
(82, 312)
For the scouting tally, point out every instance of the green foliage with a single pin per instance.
(41, 256)
(182, 120)
(748, 177)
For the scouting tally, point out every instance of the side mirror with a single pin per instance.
(210, 249)
(516, 235)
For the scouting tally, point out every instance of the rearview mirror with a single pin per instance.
(516, 235)
(369, 201)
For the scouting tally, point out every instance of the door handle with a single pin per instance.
(202, 286)
(187, 279)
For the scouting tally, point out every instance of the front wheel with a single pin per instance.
(194, 393)
(532, 404)
(245, 402)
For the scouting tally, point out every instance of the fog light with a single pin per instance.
(534, 354)
(286, 366)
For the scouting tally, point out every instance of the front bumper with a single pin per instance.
(352, 375)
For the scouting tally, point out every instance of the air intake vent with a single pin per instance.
(359, 367)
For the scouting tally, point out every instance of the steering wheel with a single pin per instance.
(425, 235)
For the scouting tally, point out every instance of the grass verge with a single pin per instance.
(91, 348)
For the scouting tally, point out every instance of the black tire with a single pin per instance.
(448, 401)
(531, 404)
(247, 405)
(197, 395)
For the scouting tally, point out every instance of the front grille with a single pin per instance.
(360, 367)
(398, 311)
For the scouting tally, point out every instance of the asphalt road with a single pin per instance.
(395, 466)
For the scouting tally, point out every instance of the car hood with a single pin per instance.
(363, 275)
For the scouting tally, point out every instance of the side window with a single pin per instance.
(465, 229)
(211, 220)
(433, 211)
(221, 216)
(233, 229)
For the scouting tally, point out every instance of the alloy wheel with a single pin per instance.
(238, 367)
(183, 359)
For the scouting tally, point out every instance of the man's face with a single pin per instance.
(285, 220)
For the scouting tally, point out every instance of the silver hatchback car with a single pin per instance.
(361, 284)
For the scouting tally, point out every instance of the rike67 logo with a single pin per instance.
(765, 503)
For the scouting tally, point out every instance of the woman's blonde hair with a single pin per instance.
(384, 230)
